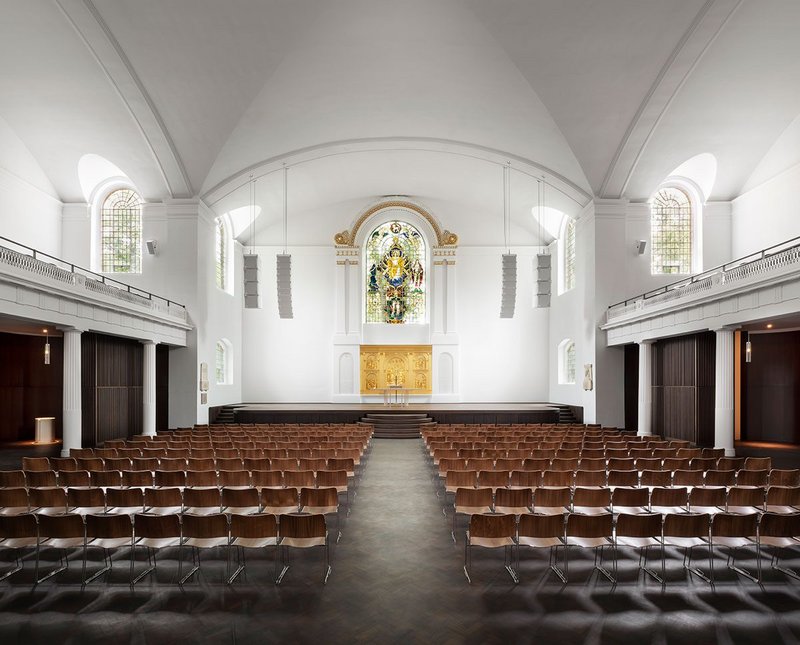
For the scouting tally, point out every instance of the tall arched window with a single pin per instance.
(671, 232)
(569, 255)
(222, 363)
(566, 362)
(220, 253)
(395, 289)
(121, 232)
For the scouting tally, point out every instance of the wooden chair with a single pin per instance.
(702, 463)
(660, 478)
(644, 464)
(202, 478)
(640, 531)
(780, 532)
(593, 532)
(280, 501)
(154, 532)
(708, 499)
(204, 531)
(491, 532)
(758, 463)
(550, 501)
(92, 464)
(591, 501)
(493, 479)
(61, 532)
(713, 453)
(782, 499)
(106, 478)
(144, 463)
(299, 478)
(744, 500)
(623, 463)
(85, 501)
(781, 477)
(41, 478)
(730, 463)
(36, 464)
(170, 478)
(106, 532)
(12, 479)
(17, 532)
(163, 501)
(688, 478)
(735, 532)
(302, 532)
(252, 532)
(14, 501)
(234, 478)
(687, 531)
(240, 501)
(74, 478)
(137, 478)
(623, 478)
(470, 501)
(172, 464)
(262, 479)
(48, 501)
(202, 501)
(525, 479)
(752, 478)
(630, 500)
(542, 532)
(590, 478)
(322, 501)
(124, 501)
(720, 478)
(669, 500)
(513, 501)
(558, 478)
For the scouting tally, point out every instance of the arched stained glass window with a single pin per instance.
(219, 253)
(395, 290)
(671, 232)
(121, 232)
(569, 255)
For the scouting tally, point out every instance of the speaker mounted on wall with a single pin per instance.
(543, 279)
(508, 298)
(284, 277)
(252, 274)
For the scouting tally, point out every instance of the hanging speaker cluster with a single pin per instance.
(252, 271)
(509, 296)
(543, 281)
(284, 276)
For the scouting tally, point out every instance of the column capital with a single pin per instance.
(148, 341)
(646, 341)
(69, 329)
(728, 328)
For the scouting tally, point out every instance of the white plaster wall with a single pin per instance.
(30, 210)
(500, 359)
(290, 360)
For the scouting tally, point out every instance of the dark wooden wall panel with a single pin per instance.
(771, 389)
(28, 387)
(631, 394)
(683, 388)
(112, 371)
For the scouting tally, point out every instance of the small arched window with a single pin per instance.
(566, 362)
(220, 254)
(671, 232)
(569, 255)
(121, 232)
(222, 360)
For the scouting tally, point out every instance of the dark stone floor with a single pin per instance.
(397, 577)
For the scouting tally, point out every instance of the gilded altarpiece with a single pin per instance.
(407, 366)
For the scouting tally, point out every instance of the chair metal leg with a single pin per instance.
(695, 570)
(64, 566)
(284, 562)
(17, 566)
(776, 558)
(327, 562)
(643, 555)
(467, 563)
(554, 564)
(239, 561)
(742, 571)
(195, 565)
(106, 568)
(508, 561)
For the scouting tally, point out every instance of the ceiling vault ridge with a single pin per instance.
(705, 28)
(95, 33)
(377, 144)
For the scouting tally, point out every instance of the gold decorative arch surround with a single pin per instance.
(443, 237)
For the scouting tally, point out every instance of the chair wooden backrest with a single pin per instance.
(590, 526)
(201, 463)
(687, 525)
(541, 526)
(648, 463)
(561, 463)
(74, 478)
(495, 525)
(595, 463)
(144, 463)
(536, 463)
(337, 478)
(36, 464)
(526, 478)
(513, 497)
(280, 497)
(758, 463)
(266, 478)
(170, 478)
(86, 497)
(623, 477)
(319, 497)
(108, 526)
(18, 526)
(14, 498)
(51, 497)
(493, 478)
(142, 478)
(779, 477)
(702, 463)
(779, 525)
(124, 497)
(240, 497)
(291, 525)
(473, 497)
(664, 496)
(730, 463)
(675, 463)
(204, 526)
(163, 497)
(655, 478)
(552, 497)
(202, 478)
(234, 478)
(156, 527)
(688, 478)
(631, 497)
(752, 477)
(590, 477)
(747, 496)
(781, 496)
(558, 478)
(734, 525)
(12, 479)
(201, 498)
(720, 478)
(708, 496)
(69, 525)
(714, 453)
(638, 525)
(596, 497)
(689, 453)
(92, 464)
(621, 463)
(263, 525)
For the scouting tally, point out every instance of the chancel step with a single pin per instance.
(398, 425)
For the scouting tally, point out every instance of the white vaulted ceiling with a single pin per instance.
(188, 97)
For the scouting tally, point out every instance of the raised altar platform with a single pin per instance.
(352, 412)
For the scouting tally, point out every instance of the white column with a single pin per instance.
(723, 392)
(71, 413)
(149, 388)
(645, 413)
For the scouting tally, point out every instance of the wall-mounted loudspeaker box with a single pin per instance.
(285, 286)
(151, 245)
(252, 275)
(641, 245)
(543, 279)
(508, 298)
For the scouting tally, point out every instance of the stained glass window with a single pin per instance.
(569, 255)
(395, 261)
(219, 253)
(569, 358)
(121, 232)
(220, 362)
(671, 232)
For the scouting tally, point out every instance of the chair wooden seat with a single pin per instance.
(14, 501)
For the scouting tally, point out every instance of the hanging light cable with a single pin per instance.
(284, 260)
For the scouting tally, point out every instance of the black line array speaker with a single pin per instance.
(252, 275)
(509, 295)
(284, 276)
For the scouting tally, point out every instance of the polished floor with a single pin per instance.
(397, 578)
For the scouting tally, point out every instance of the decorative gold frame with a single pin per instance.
(443, 237)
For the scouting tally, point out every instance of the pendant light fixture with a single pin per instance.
(748, 349)
(46, 347)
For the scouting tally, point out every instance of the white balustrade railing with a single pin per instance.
(82, 279)
(769, 262)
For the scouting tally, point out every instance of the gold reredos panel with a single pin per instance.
(407, 366)
(443, 238)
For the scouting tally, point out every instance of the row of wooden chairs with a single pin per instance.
(156, 532)
(160, 501)
(190, 478)
(497, 451)
(640, 531)
(98, 464)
